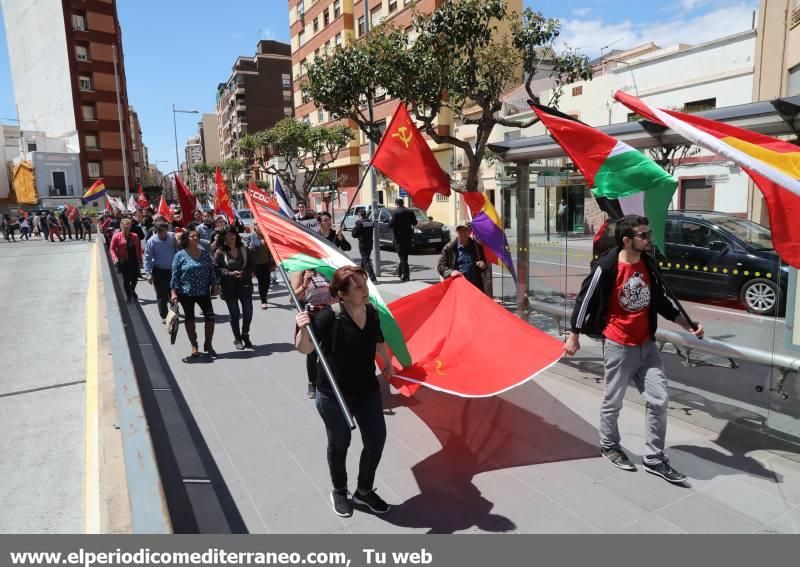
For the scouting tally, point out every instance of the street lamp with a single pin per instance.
(175, 127)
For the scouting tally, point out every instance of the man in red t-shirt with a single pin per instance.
(620, 301)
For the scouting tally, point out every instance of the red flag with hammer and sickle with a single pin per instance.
(222, 201)
(405, 157)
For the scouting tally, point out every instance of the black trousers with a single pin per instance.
(403, 250)
(366, 260)
(161, 280)
(130, 275)
(67, 228)
(263, 276)
(78, 226)
(241, 294)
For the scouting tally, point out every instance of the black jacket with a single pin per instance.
(402, 223)
(342, 244)
(590, 314)
(363, 232)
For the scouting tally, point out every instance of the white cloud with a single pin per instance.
(689, 5)
(581, 12)
(589, 35)
(267, 34)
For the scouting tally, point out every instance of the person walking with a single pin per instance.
(464, 257)
(37, 225)
(314, 293)
(74, 218)
(159, 252)
(350, 336)
(561, 218)
(65, 224)
(235, 268)
(86, 221)
(265, 263)
(363, 232)
(24, 228)
(54, 227)
(9, 228)
(193, 282)
(620, 301)
(306, 217)
(335, 237)
(402, 224)
(126, 253)
(206, 226)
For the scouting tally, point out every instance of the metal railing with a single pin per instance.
(60, 192)
(782, 363)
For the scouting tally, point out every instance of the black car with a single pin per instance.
(427, 234)
(720, 256)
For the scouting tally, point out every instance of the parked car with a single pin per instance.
(427, 234)
(717, 255)
(351, 216)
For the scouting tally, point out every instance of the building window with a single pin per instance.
(81, 53)
(316, 24)
(85, 82)
(375, 16)
(700, 105)
(337, 8)
(326, 17)
(78, 22)
(301, 8)
(793, 84)
(287, 81)
(328, 46)
(380, 94)
(382, 127)
(287, 110)
(88, 112)
(321, 116)
(31, 146)
(339, 39)
(361, 25)
(301, 37)
(316, 54)
(91, 141)
(577, 91)
(94, 169)
(634, 117)
(307, 119)
(392, 6)
(303, 67)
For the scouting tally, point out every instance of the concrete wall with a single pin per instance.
(37, 49)
(45, 163)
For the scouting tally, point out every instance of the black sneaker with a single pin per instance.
(237, 344)
(618, 458)
(342, 506)
(665, 471)
(246, 341)
(311, 393)
(372, 501)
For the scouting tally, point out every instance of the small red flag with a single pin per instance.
(108, 204)
(164, 210)
(141, 200)
(405, 157)
(187, 200)
(222, 201)
(262, 197)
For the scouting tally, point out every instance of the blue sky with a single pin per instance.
(178, 51)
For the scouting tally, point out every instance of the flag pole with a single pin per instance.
(326, 367)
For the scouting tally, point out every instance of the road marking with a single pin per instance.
(560, 264)
(734, 312)
(92, 477)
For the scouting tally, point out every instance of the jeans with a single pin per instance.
(642, 364)
(161, 279)
(241, 293)
(25, 233)
(403, 246)
(130, 275)
(263, 277)
(368, 412)
(366, 261)
(78, 226)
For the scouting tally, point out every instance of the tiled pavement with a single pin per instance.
(523, 462)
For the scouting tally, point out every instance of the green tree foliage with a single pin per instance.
(458, 63)
(206, 172)
(292, 148)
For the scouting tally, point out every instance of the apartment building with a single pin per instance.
(209, 138)
(68, 71)
(138, 150)
(256, 96)
(193, 152)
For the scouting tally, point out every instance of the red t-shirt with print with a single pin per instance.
(628, 310)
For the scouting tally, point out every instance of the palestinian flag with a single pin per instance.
(614, 169)
(772, 164)
(296, 249)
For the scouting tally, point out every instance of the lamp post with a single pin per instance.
(175, 128)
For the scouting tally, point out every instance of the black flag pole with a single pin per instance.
(326, 367)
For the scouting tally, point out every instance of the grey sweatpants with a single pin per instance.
(642, 364)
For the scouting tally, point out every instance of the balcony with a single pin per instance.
(53, 191)
(794, 19)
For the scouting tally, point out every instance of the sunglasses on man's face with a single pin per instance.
(647, 235)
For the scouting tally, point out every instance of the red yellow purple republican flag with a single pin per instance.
(97, 190)
(773, 165)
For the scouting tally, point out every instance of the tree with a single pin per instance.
(206, 172)
(293, 147)
(459, 62)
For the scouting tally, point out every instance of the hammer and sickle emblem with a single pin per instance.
(437, 367)
(404, 136)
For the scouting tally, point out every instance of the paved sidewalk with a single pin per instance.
(43, 288)
(523, 462)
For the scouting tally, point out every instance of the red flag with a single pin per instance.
(262, 197)
(456, 335)
(187, 200)
(141, 200)
(108, 205)
(222, 201)
(404, 157)
(164, 210)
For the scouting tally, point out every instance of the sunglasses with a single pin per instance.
(644, 235)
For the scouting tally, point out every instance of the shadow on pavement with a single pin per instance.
(479, 435)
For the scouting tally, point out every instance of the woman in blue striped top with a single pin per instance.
(193, 282)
